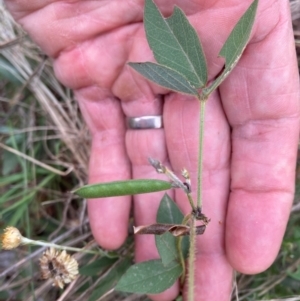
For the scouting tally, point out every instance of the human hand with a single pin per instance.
(251, 126)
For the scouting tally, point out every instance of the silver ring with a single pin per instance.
(145, 122)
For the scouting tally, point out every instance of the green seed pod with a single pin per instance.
(118, 188)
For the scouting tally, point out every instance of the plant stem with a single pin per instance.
(179, 249)
(26, 241)
(192, 256)
(191, 201)
(200, 152)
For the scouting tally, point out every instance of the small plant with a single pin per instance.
(182, 68)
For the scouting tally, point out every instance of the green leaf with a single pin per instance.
(10, 162)
(25, 200)
(166, 246)
(238, 38)
(14, 193)
(295, 275)
(97, 266)
(9, 72)
(236, 43)
(4, 129)
(15, 216)
(165, 77)
(119, 188)
(149, 277)
(7, 180)
(28, 196)
(189, 41)
(169, 213)
(175, 44)
(110, 279)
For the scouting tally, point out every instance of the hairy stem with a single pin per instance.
(200, 153)
(192, 256)
(26, 241)
(179, 249)
(181, 258)
(191, 201)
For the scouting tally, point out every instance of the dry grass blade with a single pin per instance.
(11, 43)
(295, 9)
(34, 161)
(63, 112)
(296, 298)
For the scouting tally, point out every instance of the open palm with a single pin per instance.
(251, 125)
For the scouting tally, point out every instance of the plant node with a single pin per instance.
(199, 216)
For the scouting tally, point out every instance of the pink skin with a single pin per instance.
(251, 125)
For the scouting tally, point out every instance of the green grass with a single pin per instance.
(44, 147)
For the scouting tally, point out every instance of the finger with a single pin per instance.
(108, 162)
(213, 272)
(142, 98)
(146, 207)
(213, 277)
(96, 62)
(142, 144)
(168, 295)
(261, 100)
(70, 24)
(138, 98)
(131, 87)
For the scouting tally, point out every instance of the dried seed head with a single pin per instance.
(157, 165)
(175, 181)
(59, 266)
(11, 238)
(185, 174)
